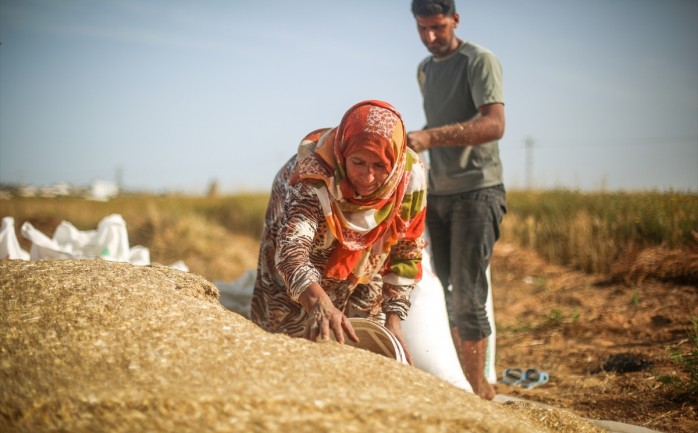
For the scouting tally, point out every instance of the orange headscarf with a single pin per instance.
(359, 222)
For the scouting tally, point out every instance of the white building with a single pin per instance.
(103, 190)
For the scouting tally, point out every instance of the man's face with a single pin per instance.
(438, 33)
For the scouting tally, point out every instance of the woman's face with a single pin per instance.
(366, 172)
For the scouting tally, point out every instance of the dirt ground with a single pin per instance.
(587, 331)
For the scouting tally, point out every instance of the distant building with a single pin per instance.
(28, 191)
(103, 190)
(56, 190)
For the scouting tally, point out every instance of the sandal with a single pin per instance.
(533, 378)
(512, 376)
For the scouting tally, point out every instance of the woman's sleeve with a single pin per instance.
(295, 240)
(405, 270)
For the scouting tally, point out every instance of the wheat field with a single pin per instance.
(217, 237)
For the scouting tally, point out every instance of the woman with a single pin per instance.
(342, 234)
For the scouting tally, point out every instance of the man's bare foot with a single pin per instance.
(473, 361)
(485, 390)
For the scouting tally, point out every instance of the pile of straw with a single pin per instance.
(677, 265)
(92, 346)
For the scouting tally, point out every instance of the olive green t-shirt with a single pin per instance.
(453, 88)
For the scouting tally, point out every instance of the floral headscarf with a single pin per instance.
(396, 209)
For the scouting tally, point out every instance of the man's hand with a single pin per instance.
(418, 141)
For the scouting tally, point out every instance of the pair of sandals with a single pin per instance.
(528, 379)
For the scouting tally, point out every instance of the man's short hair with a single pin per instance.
(427, 8)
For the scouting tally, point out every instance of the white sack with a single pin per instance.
(44, 247)
(139, 255)
(109, 242)
(180, 266)
(428, 335)
(427, 332)
(490, 368)
(9, 245)
(237, 295)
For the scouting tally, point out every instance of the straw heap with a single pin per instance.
(92, 345)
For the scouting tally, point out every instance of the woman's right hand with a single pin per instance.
(324, 317)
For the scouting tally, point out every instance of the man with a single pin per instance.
(461, 84)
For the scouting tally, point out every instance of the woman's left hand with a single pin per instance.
(394, 325)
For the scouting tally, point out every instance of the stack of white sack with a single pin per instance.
(109, 242)
(426, 329)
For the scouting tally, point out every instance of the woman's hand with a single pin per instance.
(324, 317)
(394, 325)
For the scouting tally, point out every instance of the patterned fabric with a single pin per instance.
(358, 222)
(311, 208)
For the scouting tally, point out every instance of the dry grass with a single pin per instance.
(680, 265)
(207, 249)
(606, 232)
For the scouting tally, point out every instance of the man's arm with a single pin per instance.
(486, 127)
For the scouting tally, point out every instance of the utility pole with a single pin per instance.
(119, 178)
(529, 163)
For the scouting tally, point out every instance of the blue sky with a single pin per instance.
(175, 94)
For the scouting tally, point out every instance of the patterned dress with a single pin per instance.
(296, 246)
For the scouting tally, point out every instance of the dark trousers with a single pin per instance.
(463, 229)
